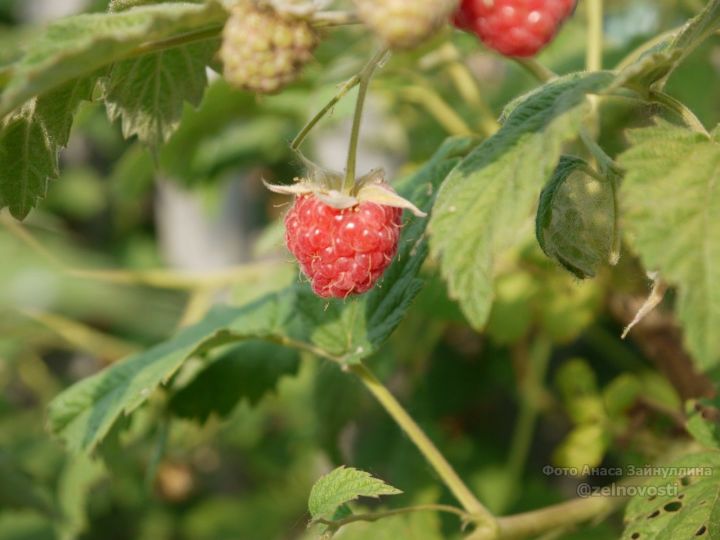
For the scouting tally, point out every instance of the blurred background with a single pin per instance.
(549, 382)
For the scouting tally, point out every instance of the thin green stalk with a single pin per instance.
(678, 107)
(438, 108)
(158, 453)
(551, 518)
(375, 516)
(594, 53)
(537, 360)
(531, 524)
(451, 479)
(344, 89)
(536, 69)
(195, 36)
(365, 77)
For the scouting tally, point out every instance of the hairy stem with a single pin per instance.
(559, 516)
(530, 524)
(536, 69)
(679, 108)
(451, 479)
(159, 279)
(344, 89)
(365, 77)
(374, 516)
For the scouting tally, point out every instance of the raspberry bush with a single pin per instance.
(244, 238)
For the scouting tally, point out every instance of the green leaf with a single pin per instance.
(344, 485)
(245, 371)
(77, 46)
(682, 501)
(415, 526)
(651, 67)
(20, 490)
(30, 139)
(77, 479)
(703, 422)
(84, 413)
(148, 93)
(57, 108)
(484, 206)
(576, 218)
(657, 63)
(28, 159)
(336, 401)
(671, 209)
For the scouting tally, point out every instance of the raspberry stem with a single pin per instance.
(536, 69)
(486, 521)
(594, 53)
(305, 131)
(365, 77)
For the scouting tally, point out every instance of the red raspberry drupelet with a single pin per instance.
(514, 27)
(342, 252)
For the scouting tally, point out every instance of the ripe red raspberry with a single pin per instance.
(514, 27)
(343, 252)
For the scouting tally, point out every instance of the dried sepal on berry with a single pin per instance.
(370, 188)
(263, 50)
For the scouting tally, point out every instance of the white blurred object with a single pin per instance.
(381, 146)
(48, 10)
(197, 237)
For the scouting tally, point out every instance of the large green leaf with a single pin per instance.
(84, 413)
(671, 209)
(681, 501)
(344, 485)
(77, 46)
(486, 204)
(148, 93)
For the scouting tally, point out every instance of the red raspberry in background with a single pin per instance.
(514, 27)
(342, 252)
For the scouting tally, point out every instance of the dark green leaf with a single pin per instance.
(28, 159)
(148, 93)
(576, 219)
(84, 413)
(245, 371)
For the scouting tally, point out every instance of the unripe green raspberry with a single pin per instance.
(263, 51)
(404, 24)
